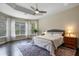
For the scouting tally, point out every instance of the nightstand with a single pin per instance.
(70, 42)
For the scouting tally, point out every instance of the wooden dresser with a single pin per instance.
(70, 42)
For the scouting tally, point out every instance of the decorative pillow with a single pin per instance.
(54, 34)
(57, 35)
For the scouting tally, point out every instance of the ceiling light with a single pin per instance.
(36, 12)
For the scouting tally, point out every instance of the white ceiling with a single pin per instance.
(51, 8)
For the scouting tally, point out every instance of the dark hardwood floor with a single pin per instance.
(77, 50)
(77, 53)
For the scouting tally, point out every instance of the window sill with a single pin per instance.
(3, 37)
(20, 34)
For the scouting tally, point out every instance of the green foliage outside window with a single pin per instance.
(34, 30)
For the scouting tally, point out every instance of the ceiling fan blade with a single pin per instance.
(38, 14)
(19, 8)
(43, 11)
(33, 8)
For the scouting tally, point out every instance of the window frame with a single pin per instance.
(20, 23)
(4, 22)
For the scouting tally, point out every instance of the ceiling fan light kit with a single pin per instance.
(36, 12)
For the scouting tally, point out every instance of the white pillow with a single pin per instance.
(57, 35)
(48, 34)
(54, 34)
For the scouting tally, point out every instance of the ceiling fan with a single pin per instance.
(37, 11)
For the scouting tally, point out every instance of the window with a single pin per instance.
(34, 26)
(20, 28)
(2, 28)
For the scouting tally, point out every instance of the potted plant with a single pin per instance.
(34, 31)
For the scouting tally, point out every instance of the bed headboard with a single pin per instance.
(57, 30)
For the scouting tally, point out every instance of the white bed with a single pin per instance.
(49, 42)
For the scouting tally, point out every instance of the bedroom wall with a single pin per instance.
(61, 20)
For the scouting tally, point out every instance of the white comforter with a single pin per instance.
(48, 42)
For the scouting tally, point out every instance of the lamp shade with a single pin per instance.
(70, 32)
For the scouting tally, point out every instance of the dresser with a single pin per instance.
(70, 42)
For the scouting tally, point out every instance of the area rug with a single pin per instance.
(64, 51)
(33, 50)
